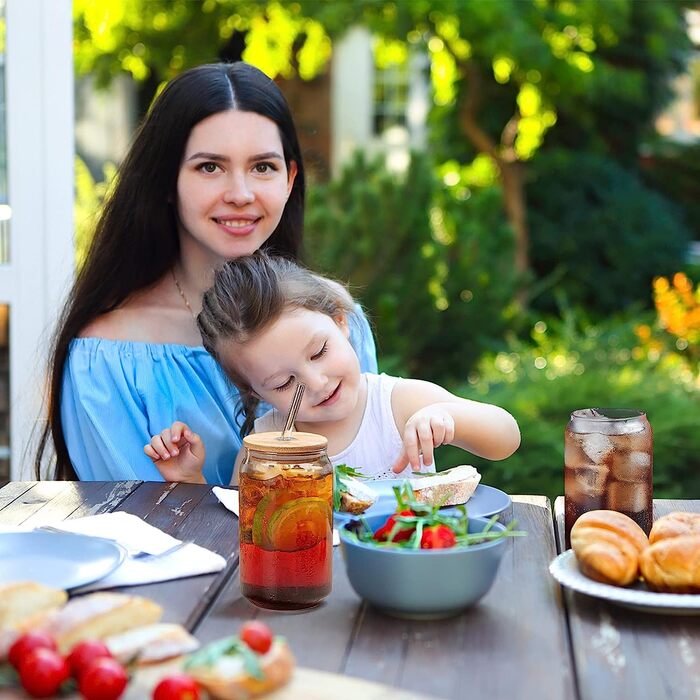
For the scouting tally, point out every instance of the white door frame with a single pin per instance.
(40, 152)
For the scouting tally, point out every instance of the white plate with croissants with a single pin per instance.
(612, 558)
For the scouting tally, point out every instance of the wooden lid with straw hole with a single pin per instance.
(296, 442)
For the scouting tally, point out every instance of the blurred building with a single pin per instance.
(36, 208)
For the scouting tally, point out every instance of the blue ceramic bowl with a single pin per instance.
(421, 583)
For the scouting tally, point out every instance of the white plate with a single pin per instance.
(61, 560)
(565, 570)
(484, 502)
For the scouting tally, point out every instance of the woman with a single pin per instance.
(214, 172)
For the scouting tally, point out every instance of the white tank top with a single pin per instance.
(377, 442)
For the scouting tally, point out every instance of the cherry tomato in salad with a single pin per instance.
(103, 679)
(179, 686)
(28, 641)
(257, 635)
(42, 671)
(438, 537)
(84, 653)
(382, 534)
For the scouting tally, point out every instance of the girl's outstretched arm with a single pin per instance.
(427, 416)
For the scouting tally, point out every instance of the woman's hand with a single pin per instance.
(425, 430)
(178, 453)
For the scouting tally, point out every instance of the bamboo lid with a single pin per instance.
(296, 442)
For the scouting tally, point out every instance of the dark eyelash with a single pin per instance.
(285, 385)
(321, 352)
(201, 166)
(272, 166)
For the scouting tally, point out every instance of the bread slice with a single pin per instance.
(447, 488)
(151, 644)
(24, 599)
(25, 605)
(227, 679)
(99, 615)
(358, 497)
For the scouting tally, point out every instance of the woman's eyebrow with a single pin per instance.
(207, 156)
(266, 156)
(269, 155)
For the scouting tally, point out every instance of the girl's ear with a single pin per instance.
(341, 320)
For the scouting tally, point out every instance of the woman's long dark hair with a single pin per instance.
(136, 239)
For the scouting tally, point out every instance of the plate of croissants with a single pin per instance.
(612, 558)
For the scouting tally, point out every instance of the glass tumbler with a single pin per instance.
(608, 464)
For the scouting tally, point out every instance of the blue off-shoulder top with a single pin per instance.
(118, 394)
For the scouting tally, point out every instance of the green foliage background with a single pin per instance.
(556, 97)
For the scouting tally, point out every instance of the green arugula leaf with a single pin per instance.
(340, 473)
(230, 646)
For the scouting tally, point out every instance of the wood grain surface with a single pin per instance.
(488, 651)
(622, 653)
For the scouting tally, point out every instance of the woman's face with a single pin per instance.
(301, 346)
(232, 186)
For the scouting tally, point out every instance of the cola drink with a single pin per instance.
(608, 464)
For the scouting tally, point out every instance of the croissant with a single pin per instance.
(675, 524)
(672, 562)
(607, 545)
(672, 565)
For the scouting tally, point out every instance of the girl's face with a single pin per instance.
(301, 346)
(232, 186)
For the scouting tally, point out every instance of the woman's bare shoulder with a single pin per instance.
(145, 317)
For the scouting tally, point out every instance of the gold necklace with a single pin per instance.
(182, 294)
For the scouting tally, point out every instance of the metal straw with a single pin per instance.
(293, 410)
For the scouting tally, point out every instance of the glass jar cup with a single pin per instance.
(286, 520)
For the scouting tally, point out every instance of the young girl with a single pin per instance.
(272, 324)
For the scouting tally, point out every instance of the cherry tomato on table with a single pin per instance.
(84, 653)
(42, 671)
(257, 635)
(179, 686)
(28, 641)
(103, 679)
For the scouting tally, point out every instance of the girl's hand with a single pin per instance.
(425, 430)
(178, 453)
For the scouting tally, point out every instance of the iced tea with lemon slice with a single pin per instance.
(286, 520)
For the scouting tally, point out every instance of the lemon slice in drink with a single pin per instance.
(299, 524)
(264, 510)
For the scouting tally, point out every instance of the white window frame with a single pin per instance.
(40, 152)
(354, 74)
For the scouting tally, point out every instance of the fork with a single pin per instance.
(131, 553)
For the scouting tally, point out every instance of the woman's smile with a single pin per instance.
(238, 226)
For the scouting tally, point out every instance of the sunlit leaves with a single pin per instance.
(481, 173)
(272, 36)
(502, 68)
(443, 73)
(534, 121)
(389, 52)
(315, 52)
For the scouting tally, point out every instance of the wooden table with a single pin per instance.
(621, 653)
(524, 639)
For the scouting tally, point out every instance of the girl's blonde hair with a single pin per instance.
(250, 293)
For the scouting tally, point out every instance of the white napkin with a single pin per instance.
(229, 498)
(134, 534)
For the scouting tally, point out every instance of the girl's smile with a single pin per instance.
(335, 395)
(302, 346)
